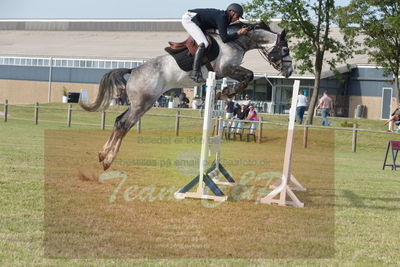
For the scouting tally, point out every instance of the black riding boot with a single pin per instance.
(196, 74)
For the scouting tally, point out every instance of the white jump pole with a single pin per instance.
(210, 95)
(284, 189)
(203, 179)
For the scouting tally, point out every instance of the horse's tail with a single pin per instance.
(110, 82)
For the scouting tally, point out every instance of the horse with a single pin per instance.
(156, 76)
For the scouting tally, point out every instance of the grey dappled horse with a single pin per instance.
(158, 75)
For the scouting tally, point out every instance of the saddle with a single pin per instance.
(183, 52)
(189, 44)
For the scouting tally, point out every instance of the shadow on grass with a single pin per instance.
(359, 202)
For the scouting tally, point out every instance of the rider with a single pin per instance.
(197, 21)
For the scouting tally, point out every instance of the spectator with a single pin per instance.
(393, 120)
(197, 102)
(242, 113)
(236, 109)
(183, 101)
(325, 104)
(229, 108)
(246, 101)
(252, 114)
(160, 101)
(301, 106)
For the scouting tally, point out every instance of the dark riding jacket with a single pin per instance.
(210, 18)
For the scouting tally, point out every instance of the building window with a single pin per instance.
(69, 63)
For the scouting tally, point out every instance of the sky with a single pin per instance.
(106, 9)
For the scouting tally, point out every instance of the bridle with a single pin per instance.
(275, 55)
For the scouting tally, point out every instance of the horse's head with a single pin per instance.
(278, 54)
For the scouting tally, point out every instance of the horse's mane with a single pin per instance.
(234, 27)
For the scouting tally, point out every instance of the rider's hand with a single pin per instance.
(242, 31)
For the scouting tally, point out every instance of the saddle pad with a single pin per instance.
(185, 60)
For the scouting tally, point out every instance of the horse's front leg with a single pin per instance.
(242, 75)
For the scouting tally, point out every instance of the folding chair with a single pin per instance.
(239, 130)
(252, 131)
(225, 129)
(232, 129)
(393, 147)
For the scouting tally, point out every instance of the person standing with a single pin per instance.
(325, 104)
(229, 108)
(247, 100)
(197, 21)
(394, 120)
(302, 103)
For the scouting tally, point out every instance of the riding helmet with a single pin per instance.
(236, 8)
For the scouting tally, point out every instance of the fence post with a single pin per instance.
(5, 110)
(305, 135)
(69, 115)
(103, 119)
(215, 129)
(36, 113)
(354, 140)
(139, 125)
(178, 113)
(260, 125)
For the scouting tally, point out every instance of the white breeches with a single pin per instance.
(391, 126)
(193, 29)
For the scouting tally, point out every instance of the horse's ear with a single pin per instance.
(283, 34)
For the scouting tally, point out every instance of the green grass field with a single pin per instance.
(366, 201)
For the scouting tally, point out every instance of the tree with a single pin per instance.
(378, 21)
(310, 23)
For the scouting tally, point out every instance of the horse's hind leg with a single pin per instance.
(123, 124)
(107, 146)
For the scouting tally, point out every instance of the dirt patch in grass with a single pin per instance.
(130, 211)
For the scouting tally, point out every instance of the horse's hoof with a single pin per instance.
(101, 156)
(106, 165)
